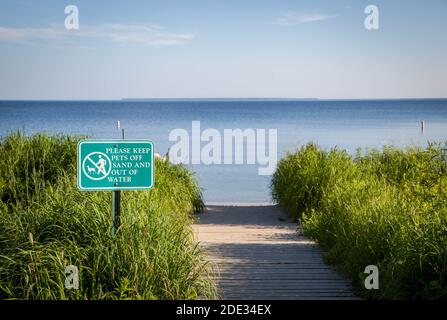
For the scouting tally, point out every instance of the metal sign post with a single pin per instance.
(116, 211)
(116, 199)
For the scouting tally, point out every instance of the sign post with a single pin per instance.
(116, 199)
(116, 210)
(115, 165)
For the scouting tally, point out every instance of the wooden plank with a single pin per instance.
(257, 256)
(266, 271)
(282, 277)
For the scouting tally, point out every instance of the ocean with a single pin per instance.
(345, 124)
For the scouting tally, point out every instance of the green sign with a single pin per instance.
(115, 164)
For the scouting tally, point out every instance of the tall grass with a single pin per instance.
(385, 208)
(46, 224)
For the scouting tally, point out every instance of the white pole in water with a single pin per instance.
(118, 126)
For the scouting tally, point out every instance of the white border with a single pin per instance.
(79, 182)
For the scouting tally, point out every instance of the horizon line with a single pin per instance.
(225, 99)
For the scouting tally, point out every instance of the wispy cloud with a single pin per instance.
(297, 18)
(113, 33)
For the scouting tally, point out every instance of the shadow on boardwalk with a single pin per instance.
(260, 255)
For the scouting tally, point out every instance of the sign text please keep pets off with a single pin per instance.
(115, 164)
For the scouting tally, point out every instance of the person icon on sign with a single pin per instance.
(101, 164)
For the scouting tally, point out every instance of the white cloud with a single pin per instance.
(296, 18)
(114, 33)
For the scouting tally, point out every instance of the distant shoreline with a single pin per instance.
(219, 99)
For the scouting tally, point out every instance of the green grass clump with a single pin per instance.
(303, 178)
(46, 224)
(385, 208)
(28, 166)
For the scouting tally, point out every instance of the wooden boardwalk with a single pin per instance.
(260, 255)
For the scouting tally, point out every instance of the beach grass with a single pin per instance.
(380, 207)
(47, 224)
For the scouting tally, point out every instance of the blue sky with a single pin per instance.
(217, 48)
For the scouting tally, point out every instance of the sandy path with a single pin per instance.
(260, 255)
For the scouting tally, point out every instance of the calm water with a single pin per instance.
(346, 124)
